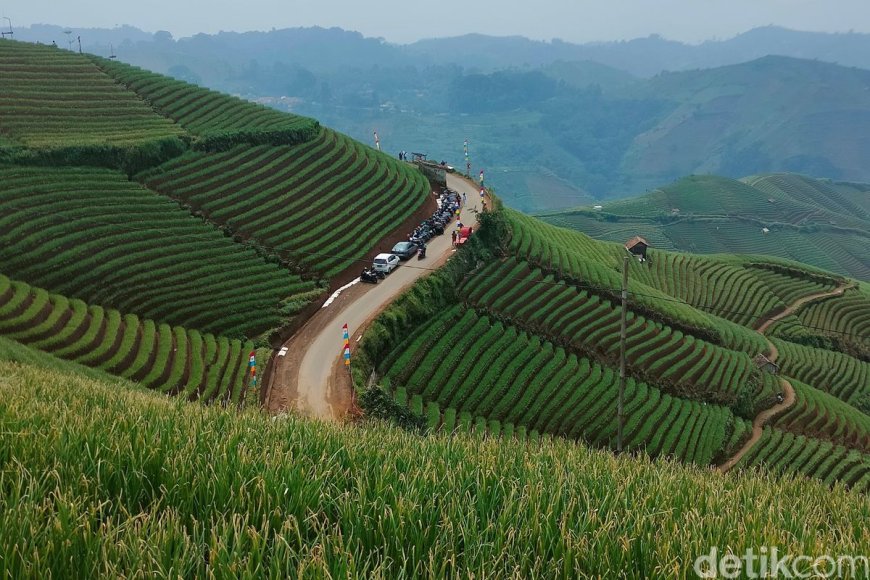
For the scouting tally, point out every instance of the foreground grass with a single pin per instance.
(97, 478)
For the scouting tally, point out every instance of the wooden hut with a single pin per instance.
(637, 246)
(766, 365)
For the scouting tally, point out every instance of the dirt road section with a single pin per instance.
(311, 377)
(789, 398)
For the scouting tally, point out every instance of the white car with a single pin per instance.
(386, 263)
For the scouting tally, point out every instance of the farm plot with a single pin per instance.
(325, 202)
(790, 453)
(91, 234)
(590, 325)
(169, 359)
(55, 98)
(823, 416)
(206, 113)
(467, 365)
(842, 376)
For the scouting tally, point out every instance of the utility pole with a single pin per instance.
(9, 32)
(620, 416)
(79, 38)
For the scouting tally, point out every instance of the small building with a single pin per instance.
(765, 231)
(637, 246)
(766, 365)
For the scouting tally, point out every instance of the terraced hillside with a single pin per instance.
(154, 228)
(169, 359)
(324, 202)
(520, 336)
(820, 223)
(53, 98)
(91, 234)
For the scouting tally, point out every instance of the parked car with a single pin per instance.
(405, 249)
(386, 263)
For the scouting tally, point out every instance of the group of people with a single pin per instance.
(403, 156)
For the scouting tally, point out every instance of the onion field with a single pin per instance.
(590, 324)
(789, 453)
(91, 234)
(54, 98)
(170, 359)
(464, 363)
(324, 202)
(207, 113)
(528, 346)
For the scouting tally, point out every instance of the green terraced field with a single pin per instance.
(527, 345)
(220, 119)
(169, 359)
(324, 202)
(93, 235)
(465, 363)
(789, 453)
(53, 98)
(820, 223)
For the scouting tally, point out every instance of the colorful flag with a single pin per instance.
(346, 335)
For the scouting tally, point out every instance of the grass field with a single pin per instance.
(169, 489)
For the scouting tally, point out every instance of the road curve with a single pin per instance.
(309, 380)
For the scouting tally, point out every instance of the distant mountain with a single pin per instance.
(818, 222)
(772, 114)
(651, 55)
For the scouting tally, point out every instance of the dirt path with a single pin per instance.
(788, 400)
(311, 377)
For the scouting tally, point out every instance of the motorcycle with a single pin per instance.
(422, 253)
(369, 276)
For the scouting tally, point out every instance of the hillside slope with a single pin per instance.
(111, 481)
(133, 191)
(818, 222)
(520, 335)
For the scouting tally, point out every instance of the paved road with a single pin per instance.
(311, 379)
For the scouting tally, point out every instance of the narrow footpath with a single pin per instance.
(789, 398)
(311, 376)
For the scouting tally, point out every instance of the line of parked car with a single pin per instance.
(449, 203)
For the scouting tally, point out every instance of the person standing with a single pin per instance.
(453, 238)
(464, 198)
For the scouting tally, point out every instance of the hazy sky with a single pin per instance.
(408, 20)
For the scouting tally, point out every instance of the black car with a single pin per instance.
(404, 250)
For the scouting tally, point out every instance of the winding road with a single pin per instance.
(311, 376)
(788, 400)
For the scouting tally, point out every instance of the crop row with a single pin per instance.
(847, 316)
(482, 368)
(597, 264)
(811, 192)
(840, 375)
(790, 453)
(52, 97)
(326, 201)
(823, 416)
(204, 112)
(170, 359)
(789, 288)
(590, 324)
(89, 233)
